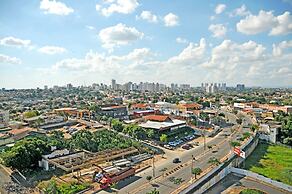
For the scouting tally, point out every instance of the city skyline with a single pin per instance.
(64, 42)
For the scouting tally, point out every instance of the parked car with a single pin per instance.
(186, 147)
(176, 160)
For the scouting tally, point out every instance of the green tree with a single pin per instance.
(214, 161)
(196, 171)
(234, 143)
(154, 191)
(117, 125)
(25, 153)
(30, 114)
(148, 178)
(150, 133)
(163, 138)
(254, 127)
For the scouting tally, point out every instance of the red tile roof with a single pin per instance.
(159, 118)
(193, 105)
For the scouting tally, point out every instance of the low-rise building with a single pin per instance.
(188, 109)
(116, 111)
(162, 123)
(4, 118)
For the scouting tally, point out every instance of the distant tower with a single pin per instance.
(114, 84)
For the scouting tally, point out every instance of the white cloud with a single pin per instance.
(278, 49)
(97, 7)
(191, 53)
(218, 30)
(90, 27)
(220, 8)
(120, 6)
(118, 35)
(10, 60)
(284, 25)
(148, 16)
(212, 17)
(15, 42)
(266, 21)
(241, 11)
(171, 20)
(52, 50)
(181, 40)
(248, 62)
(55, 7)
(106, 64)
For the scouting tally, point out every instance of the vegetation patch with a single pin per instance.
(272, 161)
(251, 191)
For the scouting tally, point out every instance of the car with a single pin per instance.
(186, 147)
(176, 160)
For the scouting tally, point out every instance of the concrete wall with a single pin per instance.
(219, 172)
(261, 178)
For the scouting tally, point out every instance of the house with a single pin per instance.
(269, 132)
(162, 123)
(166, 108)
(188, 109)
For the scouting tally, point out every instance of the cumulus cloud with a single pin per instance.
(148, 16)
(119, 6)
(266, 21)
(96, 62)
(181, 40)
(171, 20)
(284, 24)
(4, 59)
(248, 62)
(118, 35)
(52, 50)
(218, 30)
(241, 11)
(190, 54)
(220, 8)
(278, 49)
(15, 42)
(55, 7)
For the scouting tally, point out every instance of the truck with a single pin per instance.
(108, 178)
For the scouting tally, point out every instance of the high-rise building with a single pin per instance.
(114, 84)
(213, 87)
(46, 87)
(69, 86)
(240, 87)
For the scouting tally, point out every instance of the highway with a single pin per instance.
(220, 143)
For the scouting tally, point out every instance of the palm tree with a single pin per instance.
(154, 191)
(196, 171)
(214, 161)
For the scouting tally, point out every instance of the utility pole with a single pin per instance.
(192, 167)
(153, 167)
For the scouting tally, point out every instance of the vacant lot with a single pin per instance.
(271, 161)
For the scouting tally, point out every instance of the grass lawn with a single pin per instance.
(272, 161)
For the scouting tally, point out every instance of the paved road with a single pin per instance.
(163, 184)
(235, 180)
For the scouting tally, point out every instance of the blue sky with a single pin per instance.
(83, 42)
